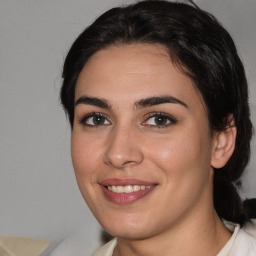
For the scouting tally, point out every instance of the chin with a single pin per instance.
(128, 233)
(127, 227)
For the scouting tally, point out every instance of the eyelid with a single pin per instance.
(84, 118)
(162, 114)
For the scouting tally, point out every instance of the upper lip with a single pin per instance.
(125, 182)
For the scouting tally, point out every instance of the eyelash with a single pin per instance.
(169, 119)
(84, 120)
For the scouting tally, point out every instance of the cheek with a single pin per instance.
(184, 158)
(85, 158)
(184, 164)
(177, 151)
(85, 154)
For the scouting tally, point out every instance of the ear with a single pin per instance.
(223, 145)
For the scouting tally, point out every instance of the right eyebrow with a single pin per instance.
(93, 101)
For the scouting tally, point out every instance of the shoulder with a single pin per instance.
(245, 241)
(107, 249)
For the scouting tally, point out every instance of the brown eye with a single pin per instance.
(98, 120)
(94, 119)
(159, 120)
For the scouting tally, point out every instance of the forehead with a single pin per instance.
(134, 61)
(131, 72)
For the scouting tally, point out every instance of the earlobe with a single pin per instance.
(223, 146)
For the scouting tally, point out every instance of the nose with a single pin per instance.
(123, 148)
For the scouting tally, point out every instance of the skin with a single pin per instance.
(177, 217)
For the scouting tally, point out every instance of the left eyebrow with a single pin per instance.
(152, 101)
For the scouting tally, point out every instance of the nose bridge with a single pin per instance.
(123, 147)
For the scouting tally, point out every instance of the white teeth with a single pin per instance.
(127, 188)
(119, 189)
(136, 188)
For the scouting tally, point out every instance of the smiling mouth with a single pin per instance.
(125, 191)
(128, 188)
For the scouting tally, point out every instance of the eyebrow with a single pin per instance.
(101, 103)
(152, 101)
(147, 102)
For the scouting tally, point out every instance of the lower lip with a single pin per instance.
(125, 198)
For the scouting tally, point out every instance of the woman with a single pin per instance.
(156, 96)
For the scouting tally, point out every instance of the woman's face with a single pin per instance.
(141, 144)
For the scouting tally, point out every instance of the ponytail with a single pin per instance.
(227, 201)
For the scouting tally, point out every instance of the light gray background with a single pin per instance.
(38, 192)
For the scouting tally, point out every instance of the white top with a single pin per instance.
(241, 243)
